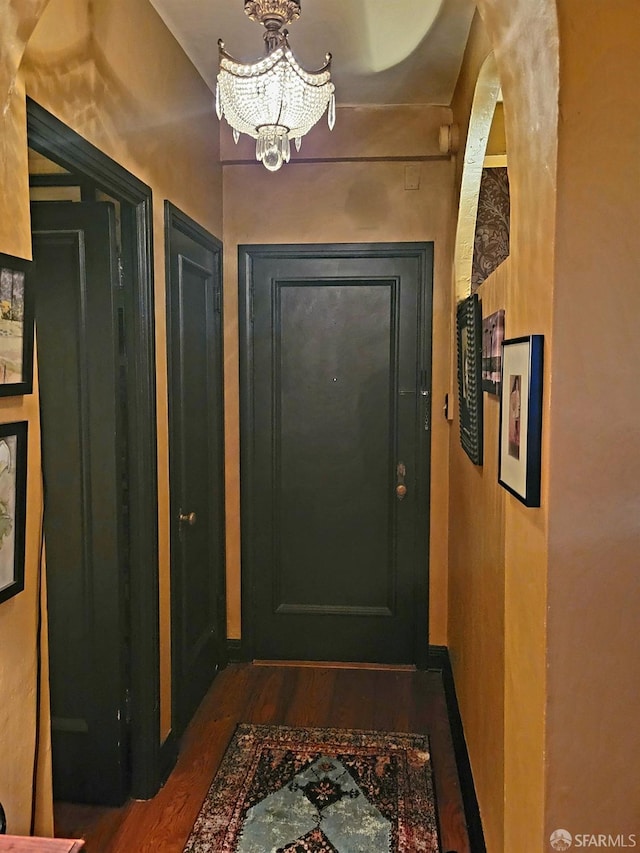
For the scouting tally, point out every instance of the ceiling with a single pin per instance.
(384, 51)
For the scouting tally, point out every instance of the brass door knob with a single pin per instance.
(189, 518)
(401, 473)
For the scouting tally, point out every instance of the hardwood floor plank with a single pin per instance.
(163, 824)
(312, 696)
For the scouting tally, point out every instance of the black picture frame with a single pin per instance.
(492, 337)
(469, 333)
(520, 454)
(13, 507)
(16, 326)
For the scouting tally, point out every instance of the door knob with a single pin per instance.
(401, 489)
(189, 518)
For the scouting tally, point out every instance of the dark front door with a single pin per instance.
(79, 363)
(335, 438)
(196, 457)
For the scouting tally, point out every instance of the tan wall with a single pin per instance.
(497, 143)
(561, 659)
(497, 602)
(593, 704)
(362, 201)
(476, 547)
(111, 71)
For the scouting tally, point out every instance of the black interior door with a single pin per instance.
(194, 330)
(84, 472)
(336, 415)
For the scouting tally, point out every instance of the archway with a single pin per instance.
(485, 98)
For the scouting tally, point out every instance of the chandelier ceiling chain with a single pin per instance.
(273, 100)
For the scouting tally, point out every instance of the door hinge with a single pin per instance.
(217, 300)
(120, 274)
(251, 304)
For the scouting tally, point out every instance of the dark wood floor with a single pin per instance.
(386, 700)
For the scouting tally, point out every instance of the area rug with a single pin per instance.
(286, 790)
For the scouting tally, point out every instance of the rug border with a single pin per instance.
(328, 730)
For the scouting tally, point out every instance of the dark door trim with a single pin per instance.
(50, 137)
(175, 219)
(247, 255)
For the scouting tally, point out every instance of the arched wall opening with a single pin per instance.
(483, 110)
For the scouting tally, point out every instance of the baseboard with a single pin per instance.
(236, 652)
(168, 756)
(439, 660)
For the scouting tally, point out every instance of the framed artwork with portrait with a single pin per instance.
(521, 418)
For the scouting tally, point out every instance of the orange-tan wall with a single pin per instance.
(498, 548)
(340, 200)
(110, 70)
(476, 549)
(593, 701)
(544, 603)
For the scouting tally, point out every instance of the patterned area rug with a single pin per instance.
(285, 790)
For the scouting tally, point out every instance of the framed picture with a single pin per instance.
(470, 377)
(16, 326)
(521, 418)
(13, 507)
(492, 337)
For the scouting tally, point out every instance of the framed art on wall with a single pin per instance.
(16, 326)
(469, 323)
(521, 418)
(13, 505)
(492, 337)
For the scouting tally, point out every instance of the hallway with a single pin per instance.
(381, 699)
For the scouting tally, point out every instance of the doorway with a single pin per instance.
(105, 227)
(335, 436)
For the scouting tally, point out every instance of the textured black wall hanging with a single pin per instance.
(469, 324)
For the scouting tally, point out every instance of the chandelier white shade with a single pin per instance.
(275, 100)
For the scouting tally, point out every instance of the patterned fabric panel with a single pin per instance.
(491, 245)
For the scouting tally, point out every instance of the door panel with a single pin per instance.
(196, 454)
(333, 502)
(74, 249)
(335, 399)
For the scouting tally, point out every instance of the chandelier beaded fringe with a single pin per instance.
(273, 100)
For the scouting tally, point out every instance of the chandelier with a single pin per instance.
(274, 100)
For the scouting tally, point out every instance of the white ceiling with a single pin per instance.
(384, 51)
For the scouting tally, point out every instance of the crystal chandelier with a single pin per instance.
(274, 100)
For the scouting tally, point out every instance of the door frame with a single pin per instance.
(175, 219)
(247, 255)
(50, 137)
